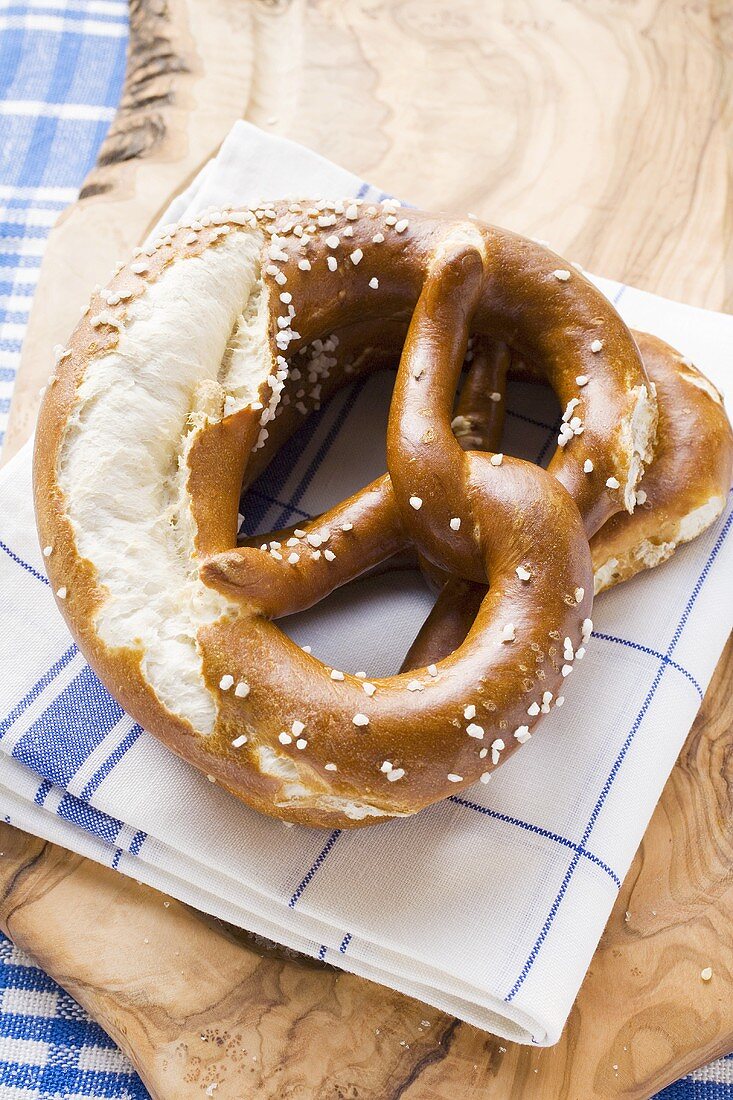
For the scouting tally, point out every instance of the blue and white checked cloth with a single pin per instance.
(72, 761)
(61, 70)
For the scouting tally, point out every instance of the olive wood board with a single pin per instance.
(562, 119)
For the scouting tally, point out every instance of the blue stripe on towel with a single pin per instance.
(84, 705)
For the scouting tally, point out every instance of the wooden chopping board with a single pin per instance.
(576, 120)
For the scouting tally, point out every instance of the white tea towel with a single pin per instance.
(489, 905)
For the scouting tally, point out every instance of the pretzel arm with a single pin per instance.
(477, 426)
(293, 572)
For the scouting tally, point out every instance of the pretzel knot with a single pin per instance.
(188, 372)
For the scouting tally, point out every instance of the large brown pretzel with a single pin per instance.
(166, 400)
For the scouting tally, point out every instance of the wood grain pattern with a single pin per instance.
(606, 127)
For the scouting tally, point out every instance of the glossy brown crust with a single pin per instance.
(447, 279)
(692, 469)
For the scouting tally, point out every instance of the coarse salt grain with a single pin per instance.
(226, 682)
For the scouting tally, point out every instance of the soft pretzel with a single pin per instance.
(160, 404)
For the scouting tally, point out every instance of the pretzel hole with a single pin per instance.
(371, 622)
(368, 624)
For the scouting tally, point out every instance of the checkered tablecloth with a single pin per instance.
(61, 69)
